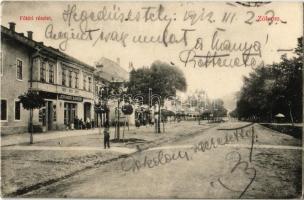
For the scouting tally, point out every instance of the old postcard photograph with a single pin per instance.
(151, 99)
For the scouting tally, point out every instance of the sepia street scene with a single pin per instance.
(107, 100)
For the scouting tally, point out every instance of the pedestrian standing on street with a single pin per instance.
(106, 133)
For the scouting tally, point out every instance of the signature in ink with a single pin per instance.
(130, 163)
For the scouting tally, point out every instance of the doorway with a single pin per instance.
(69, 113)
(46, 116)
(87, 111)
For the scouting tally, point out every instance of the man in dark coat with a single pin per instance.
(106, 133)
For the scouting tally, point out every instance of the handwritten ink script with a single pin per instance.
(239, 165)
(162, 158)
(202, 35)
(220, 53)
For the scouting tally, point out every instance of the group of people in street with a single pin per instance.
(80, 124)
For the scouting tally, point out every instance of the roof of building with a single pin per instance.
(103, 75)
(40, 46)
(111, 71)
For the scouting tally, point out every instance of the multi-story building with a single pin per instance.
(15, 76)
(66, 83)
(67, 86)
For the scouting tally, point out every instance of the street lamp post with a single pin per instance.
(106, 116)
(159, 104)
(103, 98)
(215, 111)
(199, 112)
(119, 97)
(150, 93)
(118, 118)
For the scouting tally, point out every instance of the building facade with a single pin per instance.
(66, 83)
(15, 76)
(67, 87)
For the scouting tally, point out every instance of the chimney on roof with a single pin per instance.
(30, 35)
(12, 26)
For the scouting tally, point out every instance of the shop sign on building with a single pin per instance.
(70, 98)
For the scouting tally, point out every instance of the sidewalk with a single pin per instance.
(24, 138)
(285, 124)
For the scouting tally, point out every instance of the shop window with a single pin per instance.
(3, 110)
(66, 114)
(42, 116)
(69, 113)
(54, 113)
(19, 69)
(17, 110)
(73, 113)
(51, 73)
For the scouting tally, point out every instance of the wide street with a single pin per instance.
(210, 160)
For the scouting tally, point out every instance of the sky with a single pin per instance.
(216, 81)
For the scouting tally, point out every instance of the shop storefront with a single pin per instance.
(66, 84)
(61, 111)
